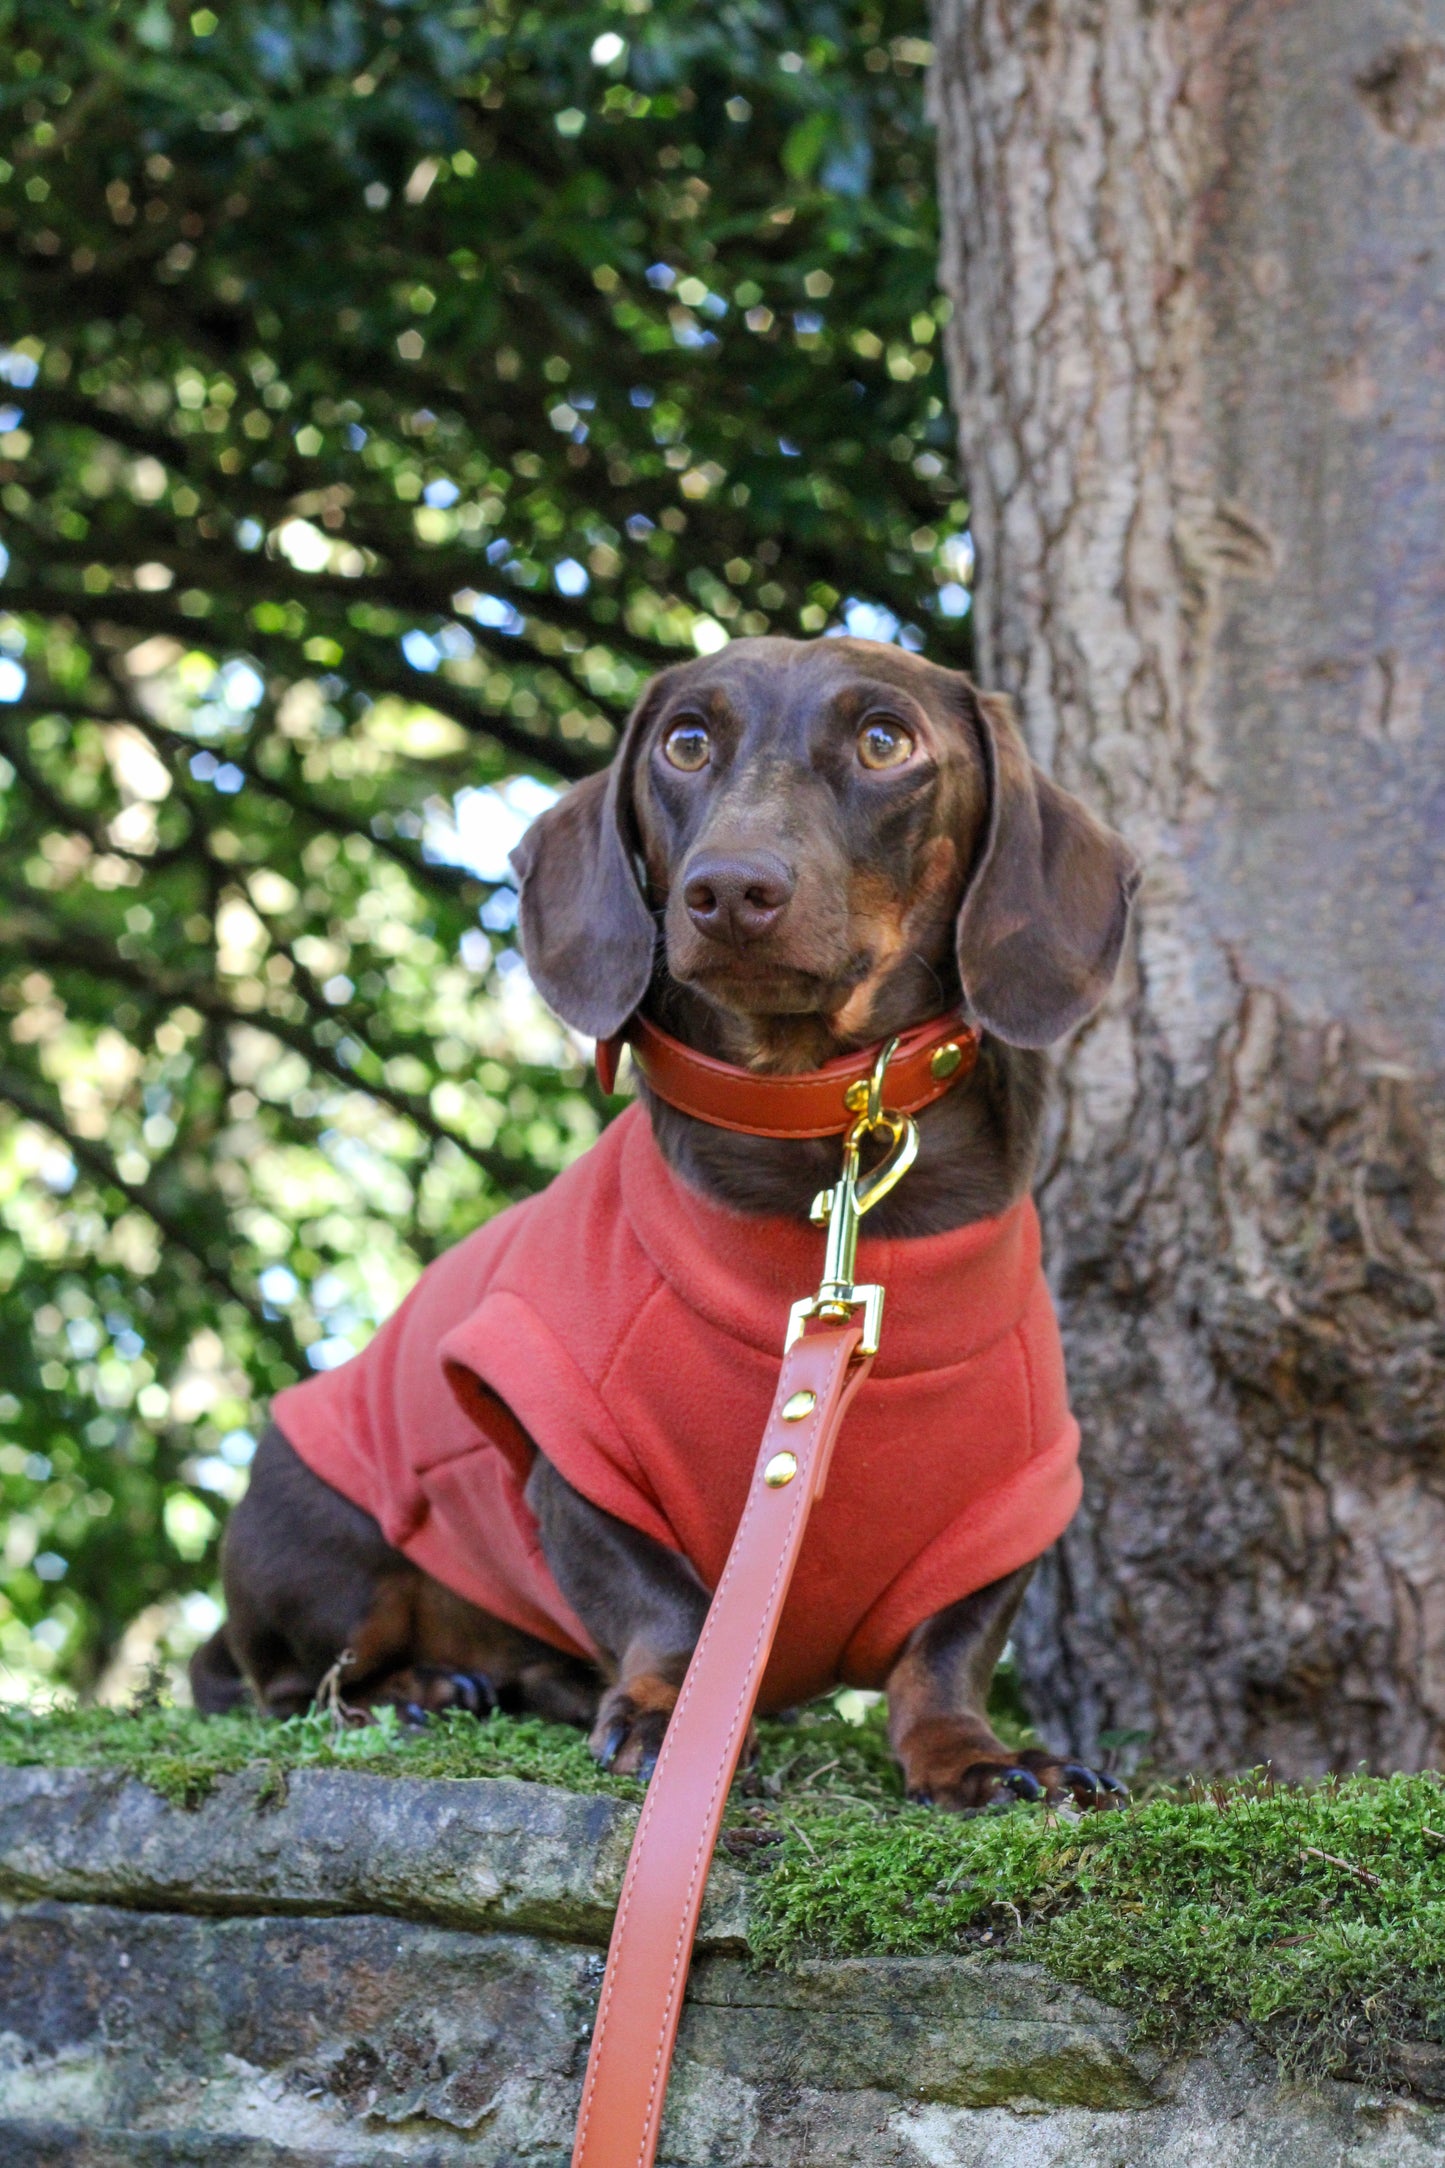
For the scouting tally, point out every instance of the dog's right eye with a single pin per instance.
(884, 743)
(687, 746)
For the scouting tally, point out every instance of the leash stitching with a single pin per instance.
(645, 1823)
(648, 1809)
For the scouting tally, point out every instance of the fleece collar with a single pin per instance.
(948, 1295)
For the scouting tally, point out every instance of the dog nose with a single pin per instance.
(737, 899)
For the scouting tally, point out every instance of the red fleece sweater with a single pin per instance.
(631, 1331)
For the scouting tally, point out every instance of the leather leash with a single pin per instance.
(647, 1964)
(662, 1891)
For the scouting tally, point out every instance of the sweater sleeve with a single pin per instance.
(506, 1353)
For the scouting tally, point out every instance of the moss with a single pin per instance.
(1314, 1916)
(181, 1755)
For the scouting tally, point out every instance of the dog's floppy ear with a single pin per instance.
(587, 934)
(1043, 917)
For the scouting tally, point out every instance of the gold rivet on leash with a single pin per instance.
(946, 1059)
(780, 1470)
(801, 1404)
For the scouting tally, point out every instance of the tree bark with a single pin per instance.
(1196, 250)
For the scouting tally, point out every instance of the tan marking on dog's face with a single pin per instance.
(895, 927)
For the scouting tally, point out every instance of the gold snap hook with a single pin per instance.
(875, 1082)
(840, 1210)
(864, 1096)
(902, 1151)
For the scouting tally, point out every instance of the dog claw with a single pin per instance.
(612, 1745)
(1022, 1783)
(1081, 1778)
(920, 1796)
(646, 1766)
(475, 1692)
(412, 1712)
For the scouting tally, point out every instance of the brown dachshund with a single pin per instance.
(800, 848)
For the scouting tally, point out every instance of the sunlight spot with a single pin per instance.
(486, 823)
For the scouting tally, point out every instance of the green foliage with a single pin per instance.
(390, 391)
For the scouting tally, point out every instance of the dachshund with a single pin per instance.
(799, 849)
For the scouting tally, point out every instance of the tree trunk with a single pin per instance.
(1197, 257)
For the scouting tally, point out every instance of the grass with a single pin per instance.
(1314, 1916)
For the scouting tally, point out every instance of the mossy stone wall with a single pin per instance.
(344, 1970)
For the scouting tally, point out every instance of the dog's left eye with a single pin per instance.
(882, 744)
(687, 746)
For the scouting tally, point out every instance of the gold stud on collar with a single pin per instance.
(780, 1470)
(801, 1404)
(946, 1059)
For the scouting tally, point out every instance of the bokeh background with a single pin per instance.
(387, 390)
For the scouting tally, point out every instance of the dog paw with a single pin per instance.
(627, 1736)
(953, 1773)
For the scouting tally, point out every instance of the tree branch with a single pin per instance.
(98, 958)
(151, 614)
(443, 880)
(73, 817)
(17, 1093)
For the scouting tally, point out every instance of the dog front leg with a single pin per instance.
(937, 1721)
(642, 1604)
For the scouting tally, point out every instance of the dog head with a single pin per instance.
(833, 836)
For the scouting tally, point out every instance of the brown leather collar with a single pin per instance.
(927, 1062)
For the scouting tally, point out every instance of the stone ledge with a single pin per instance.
(372, 1972)
(477, 1852)
(195, 2042)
